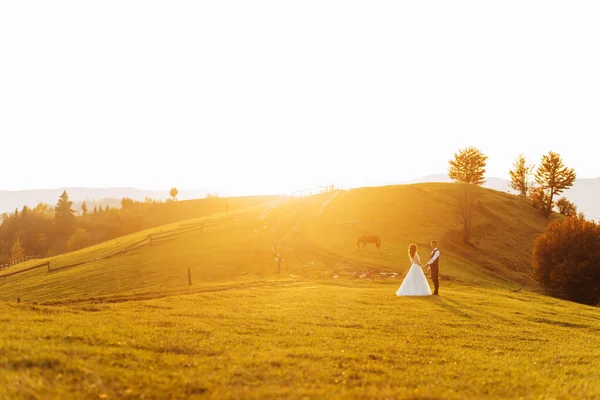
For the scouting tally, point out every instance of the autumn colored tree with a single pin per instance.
(519, 176)
(539, 198)
(565, 207)
(565, 260)
(17, 252)
(173, 193)
(79, 240)
(467, 167)
(553, 177)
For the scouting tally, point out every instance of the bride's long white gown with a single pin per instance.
(415, 283)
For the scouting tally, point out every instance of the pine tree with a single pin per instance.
(519, 176)
(64, 215)
(554, 178)
(84, 208)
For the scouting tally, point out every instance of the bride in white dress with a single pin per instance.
(415, 283)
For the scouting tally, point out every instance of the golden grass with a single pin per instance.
(329, 326)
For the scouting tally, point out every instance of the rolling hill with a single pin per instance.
(119, 320)
(317, 235)
(584, 193)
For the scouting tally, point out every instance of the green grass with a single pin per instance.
(305, 340)
(328, 326)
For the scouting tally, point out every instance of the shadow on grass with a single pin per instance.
(458, 308)
(452, 306)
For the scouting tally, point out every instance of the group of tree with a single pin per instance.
(566, 254)
(46, 231)
(552, 178)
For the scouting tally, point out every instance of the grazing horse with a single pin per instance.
(366, 239)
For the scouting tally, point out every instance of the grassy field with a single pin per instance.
(305, 340)
(124, 323)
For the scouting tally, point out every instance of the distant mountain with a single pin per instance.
(586, 196)
(9, 200)
(585, 193)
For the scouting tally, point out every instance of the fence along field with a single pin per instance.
(121, 247)
(18, 261)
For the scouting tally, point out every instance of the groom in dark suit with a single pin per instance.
(434, 266)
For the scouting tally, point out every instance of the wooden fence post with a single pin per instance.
(48, 266)
(189, 277)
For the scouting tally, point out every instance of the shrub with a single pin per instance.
(565, 207)
(539, 198)
(566, 260)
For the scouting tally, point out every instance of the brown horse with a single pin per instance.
(366, 239)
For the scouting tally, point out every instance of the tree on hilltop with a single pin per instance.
(173, 193)
(553, 177)
(519, 176)
(467, 167)
(565, 207)
(539, 198)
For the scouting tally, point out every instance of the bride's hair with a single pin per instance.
(412, 250)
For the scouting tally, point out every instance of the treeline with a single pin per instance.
(47, 231)
(552, 177)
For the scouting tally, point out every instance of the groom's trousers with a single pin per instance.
(435, 270)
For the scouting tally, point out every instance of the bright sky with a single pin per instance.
(274, 96)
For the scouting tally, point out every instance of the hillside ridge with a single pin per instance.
(317, 236)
